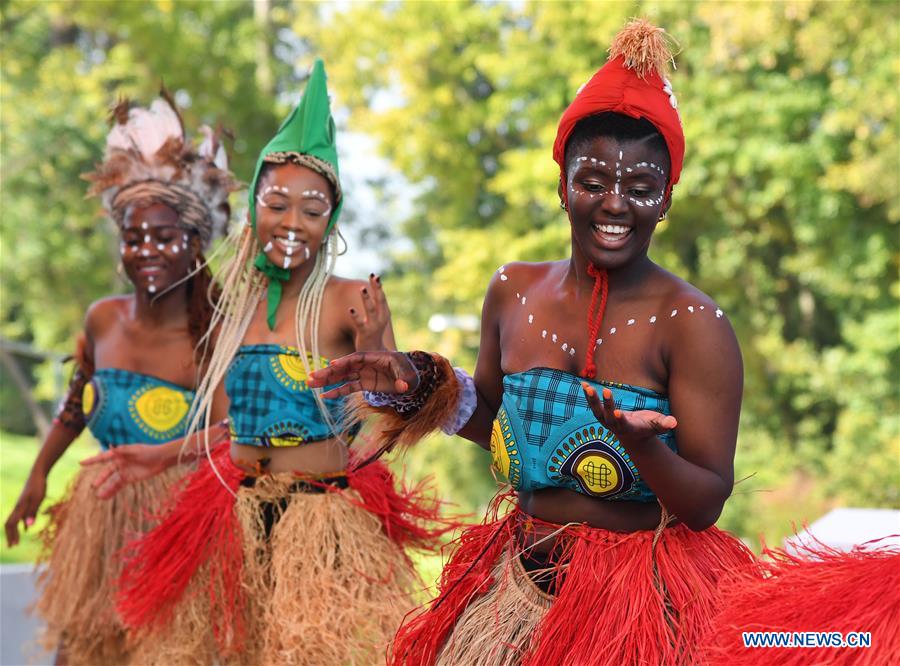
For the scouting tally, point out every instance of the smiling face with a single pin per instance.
(156, 252)
(293, 206)
(616, 195)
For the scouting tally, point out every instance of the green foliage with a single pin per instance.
(17, 454)
(786, 214)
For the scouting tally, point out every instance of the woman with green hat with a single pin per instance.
(281, 548)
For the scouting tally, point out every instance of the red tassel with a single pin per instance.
(411, 516)
(467, 574)
(599, 296)
(198, 526)
(822, 589)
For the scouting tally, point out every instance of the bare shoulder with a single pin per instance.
(107, 312)
(345, 291)
(516, 278)
(696, 324)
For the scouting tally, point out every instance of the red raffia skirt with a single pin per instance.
(821, 590)
(640, 598)
(289, 570)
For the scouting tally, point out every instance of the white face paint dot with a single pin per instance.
(160, 247)
(291, 236)
(719, 313)
(268, 247)
(553, 337)
(674, 312)
(287, 262)
(565, 346)
(630, 322)
(690, 308)
(144, 225)
(289, 251)
(612, 330)
(145, 252)
(152, 288)
(518, 295)
(147, 239)
(306, 251)
(501, 269)
(572, 351)
(543, 334)
(702, 307)
(531, 319)
(653, 319)
(503, 277)
(599, 341)
(523, 300)
(174, 249)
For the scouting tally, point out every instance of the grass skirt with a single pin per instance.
(283, 573)
(638, 598)
(82, 544)
(818, 589)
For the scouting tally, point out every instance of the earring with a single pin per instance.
(563, 205)
(662, 217)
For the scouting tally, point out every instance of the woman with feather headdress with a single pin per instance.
(137, 366)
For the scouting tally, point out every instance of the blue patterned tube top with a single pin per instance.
(271, 405)
(545, 436)
(125, 407)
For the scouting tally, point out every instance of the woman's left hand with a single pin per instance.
(372, 321)
(635, 426)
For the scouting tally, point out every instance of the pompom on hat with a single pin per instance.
(148, 160)
(633, 82)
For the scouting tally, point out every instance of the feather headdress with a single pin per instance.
(148, 159)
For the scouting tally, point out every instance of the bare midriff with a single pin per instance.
(325, 457)
(561, 506)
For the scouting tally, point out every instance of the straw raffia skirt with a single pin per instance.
(81, 558)
(287, 570)
(640, 598)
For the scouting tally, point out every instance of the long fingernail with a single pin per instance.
(607, 393)
(617, 413)
(29, 522)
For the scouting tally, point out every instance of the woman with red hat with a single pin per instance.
(609, 392)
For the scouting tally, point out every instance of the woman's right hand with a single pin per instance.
(384, 371)
(126, 464)
(26, 507)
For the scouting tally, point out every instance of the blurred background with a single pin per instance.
(787, 213)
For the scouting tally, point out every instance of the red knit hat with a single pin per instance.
(633, 82)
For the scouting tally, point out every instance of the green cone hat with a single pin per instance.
(306, 137)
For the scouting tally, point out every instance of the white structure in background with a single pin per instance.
(439, 323)
(843, 529)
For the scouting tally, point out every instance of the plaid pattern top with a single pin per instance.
(545, 435)
(271, 404)
(125, 407)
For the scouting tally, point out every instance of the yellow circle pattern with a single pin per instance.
(158, 411)
(290, 371)
(88, 397)
(505, 456)
(598, 472)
